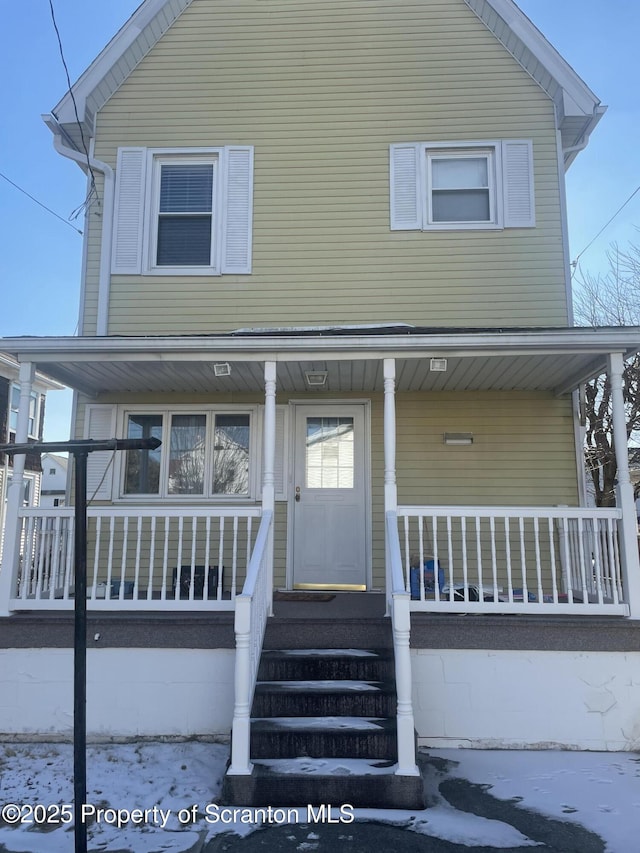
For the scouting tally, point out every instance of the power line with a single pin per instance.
(48, 209)
(73, 99)
(574, 263)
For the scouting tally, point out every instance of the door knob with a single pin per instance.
(298, 493)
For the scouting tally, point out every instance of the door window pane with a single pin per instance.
(329, 453)
(187, 454)
(142, 468)
(231, 455)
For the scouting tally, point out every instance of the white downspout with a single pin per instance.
(104, 280)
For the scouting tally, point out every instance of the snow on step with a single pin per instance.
(360, 723)
(357, 686)
(364, 653)
(328, 766)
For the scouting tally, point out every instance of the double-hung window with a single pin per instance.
(183, 211)
(203, 453)
(34, 411)
(440, 186)
(184, 202)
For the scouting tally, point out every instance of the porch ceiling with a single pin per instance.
(555, 360)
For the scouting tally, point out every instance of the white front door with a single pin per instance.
(329, 501)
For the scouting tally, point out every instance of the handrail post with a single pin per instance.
(269, 469)
(11, 551)
(390, 482)
(240, 738)
(405, 722)
(624, 492)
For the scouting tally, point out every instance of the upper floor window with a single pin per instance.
(184, 201)
(461, 186)
(34, 411)
(183, 211)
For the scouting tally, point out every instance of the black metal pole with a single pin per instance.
(80, 653)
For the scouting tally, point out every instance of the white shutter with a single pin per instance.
(517, 184)
(100, 423)
(128, 211)
(406, 212)
(237, 211)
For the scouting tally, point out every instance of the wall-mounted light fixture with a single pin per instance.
(316, 378)
(458, 438)
(438, 364)
(222, 368)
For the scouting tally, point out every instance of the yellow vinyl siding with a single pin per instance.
(321, 93)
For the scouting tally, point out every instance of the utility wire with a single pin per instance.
(574, 263)
(48, 209)
(75, 105)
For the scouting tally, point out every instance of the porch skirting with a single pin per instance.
(497, 699)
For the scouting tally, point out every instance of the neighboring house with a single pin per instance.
(327, 266)
(30, 490)
(54, 480)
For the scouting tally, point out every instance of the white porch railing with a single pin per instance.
(253, 606)
(163, 558)
(515, 559)
(398, 607)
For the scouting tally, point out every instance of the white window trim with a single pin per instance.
(492, 151)
(209, 410)
(156, 157)
(38, 408)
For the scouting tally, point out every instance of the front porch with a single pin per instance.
(209, 557)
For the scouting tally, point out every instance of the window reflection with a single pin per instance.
(187, 454)
(329, 453)
(142, 471)
(231, 455)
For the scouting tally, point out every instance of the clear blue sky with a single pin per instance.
(40, 258)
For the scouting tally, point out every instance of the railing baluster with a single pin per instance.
(421, 557)
(152, 558)
(507, 556)
(450, 556)
(523, 560)
(465, 562)
(552, 556)
(96, 558)
(177, 591)
(165, 560)
(221, 556)
(536, 539)
(436, 559)
(207, 558)
(235, 546)
(479, 555)
(581, 563)
(107, 591)
(598, 565)
(123, 562)
(194, 533)
(136, 577)
(407, 554)
(494, 559)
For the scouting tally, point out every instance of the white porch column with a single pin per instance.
(390, 485)
(269, 459)
(624, 490)
(11, 552)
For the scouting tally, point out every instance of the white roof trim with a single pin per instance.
(154, 17)
(106, 63)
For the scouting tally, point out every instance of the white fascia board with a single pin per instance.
(581, 98)
(10, 369)
(108, 58)
(570, 340)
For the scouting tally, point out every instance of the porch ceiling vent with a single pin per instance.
(222, 368)
(438, 364)
(458, 438)
(316, 378)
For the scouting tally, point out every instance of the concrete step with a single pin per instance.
(326, 664)
(323, 737)
(320, 783)
(324, 698)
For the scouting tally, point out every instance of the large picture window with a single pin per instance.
(205, 454)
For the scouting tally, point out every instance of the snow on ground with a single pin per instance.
(175, 782)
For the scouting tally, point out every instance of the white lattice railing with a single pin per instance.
(165, 558)
(253, 606)
(518, 559)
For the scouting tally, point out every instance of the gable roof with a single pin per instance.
(578, 109)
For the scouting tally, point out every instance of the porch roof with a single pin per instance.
(506, 359)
